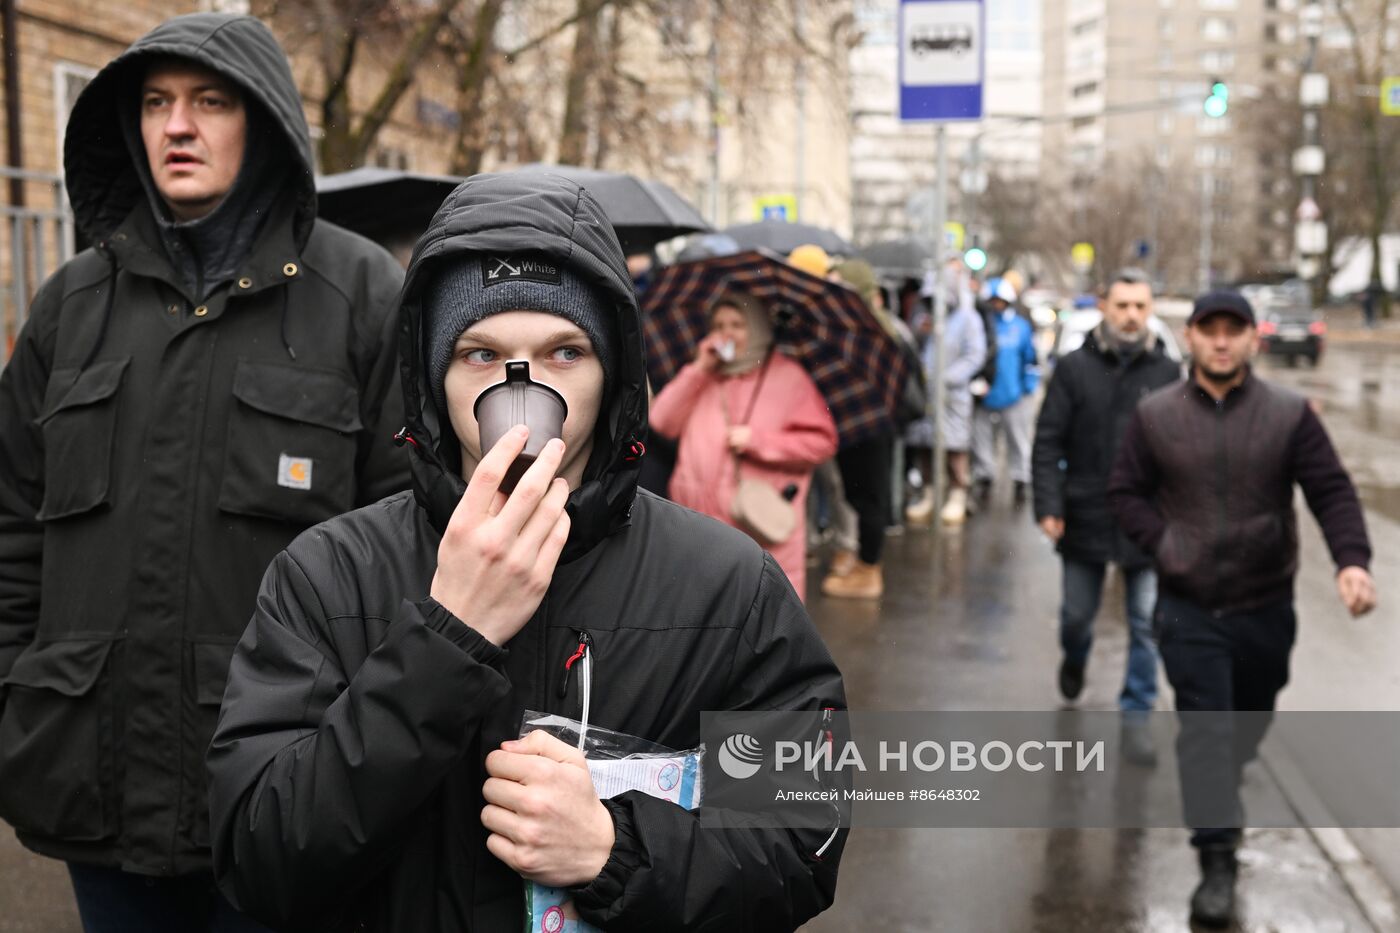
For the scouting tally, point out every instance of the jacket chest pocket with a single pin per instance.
(291, 444)
(79, 423)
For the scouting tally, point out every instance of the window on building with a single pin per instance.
(1218, 61)
(1084, 90)
(1217, 29)
(1086, 27)
(1166, 124)
(1212, 126)
(1082, 123)
(1219, 4)
(389, 157)
(69, 79)
(1166, 26)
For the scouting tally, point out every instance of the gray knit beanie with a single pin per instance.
(480, 285)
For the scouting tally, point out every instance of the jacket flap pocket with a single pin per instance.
(211, 661)
(316, 397)
(97, 382)
(67, 667)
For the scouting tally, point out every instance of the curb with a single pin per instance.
(1372, 894)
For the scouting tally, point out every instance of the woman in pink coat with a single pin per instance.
(788, 434)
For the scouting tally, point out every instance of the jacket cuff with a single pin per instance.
(1359, 557)
(626, 857)
(473, 643)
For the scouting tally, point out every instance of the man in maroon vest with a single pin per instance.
(1204, 483)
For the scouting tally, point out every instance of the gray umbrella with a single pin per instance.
(907, 258)
(643, 211)
(783, 237)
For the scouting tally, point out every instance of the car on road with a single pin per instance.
(1289, 326)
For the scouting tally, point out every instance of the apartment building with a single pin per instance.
(1124, 86)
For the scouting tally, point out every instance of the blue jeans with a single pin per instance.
(114, 901)
(1083, 589)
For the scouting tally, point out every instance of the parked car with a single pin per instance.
(1289, 325)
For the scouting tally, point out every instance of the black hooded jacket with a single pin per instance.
(1088, 404)
(347, 769)
(157, 450)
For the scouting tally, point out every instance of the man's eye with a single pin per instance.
(152, 103)
(568, 354)
(214, 103)
(480, 357)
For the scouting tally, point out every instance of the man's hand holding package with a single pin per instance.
(498, 553)
(545, 818)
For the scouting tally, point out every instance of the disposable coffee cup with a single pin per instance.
(520, 400)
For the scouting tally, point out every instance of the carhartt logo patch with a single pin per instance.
(294, 472)
(498, 269)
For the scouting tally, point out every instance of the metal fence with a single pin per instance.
(34, 242)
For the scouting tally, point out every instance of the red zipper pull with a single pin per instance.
(569, 664)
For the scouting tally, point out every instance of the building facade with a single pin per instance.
(1125, 86)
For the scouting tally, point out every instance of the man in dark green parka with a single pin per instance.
(214, 375)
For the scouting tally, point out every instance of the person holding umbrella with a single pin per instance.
(742, 410)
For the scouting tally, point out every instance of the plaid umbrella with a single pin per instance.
(825, 326)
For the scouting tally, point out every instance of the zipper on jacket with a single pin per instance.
(582, 656)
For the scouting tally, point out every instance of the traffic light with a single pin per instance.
(975, 259)
(1219, 100)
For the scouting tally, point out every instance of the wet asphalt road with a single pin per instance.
(969, 622)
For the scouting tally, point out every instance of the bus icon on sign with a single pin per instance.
(943, 37)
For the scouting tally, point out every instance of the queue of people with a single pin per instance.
(228, 410)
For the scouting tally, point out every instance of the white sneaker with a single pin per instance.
(955, 509)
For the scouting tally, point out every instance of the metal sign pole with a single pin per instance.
(940, 317)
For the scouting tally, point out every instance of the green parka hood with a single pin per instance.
(104, 185)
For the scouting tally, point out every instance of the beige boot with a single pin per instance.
(865, 581)
(920, 511)
(955, 509)
(842, 563)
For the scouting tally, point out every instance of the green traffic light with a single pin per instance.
(1216, 106)
(1220, 90)
(975, 259)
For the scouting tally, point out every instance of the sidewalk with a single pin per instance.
(969, 622)
(1345, 325)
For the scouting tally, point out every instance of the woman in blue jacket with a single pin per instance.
(1007, 407)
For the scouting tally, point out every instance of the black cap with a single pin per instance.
(1232, 303)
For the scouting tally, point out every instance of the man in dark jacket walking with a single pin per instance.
(1086, 410)
(215, 375)
(363, 773)
(1204, 482)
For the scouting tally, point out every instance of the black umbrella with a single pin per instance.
(906, 259)
(376, 201)
(783, 237)
(643, 211)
